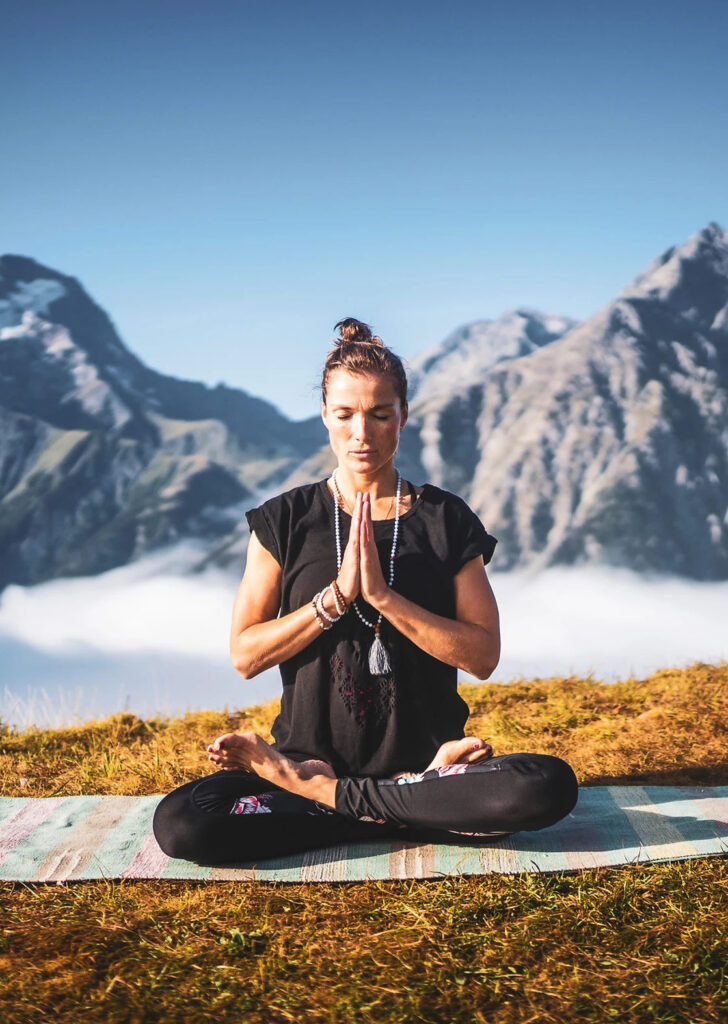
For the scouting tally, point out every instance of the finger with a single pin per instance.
(366, 518)
(355, 535)
(355, 521)
(356, 516)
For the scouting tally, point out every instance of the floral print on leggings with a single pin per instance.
(250, 805)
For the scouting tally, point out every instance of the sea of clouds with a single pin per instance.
(153, 639)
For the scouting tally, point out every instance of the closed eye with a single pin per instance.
(346, 416)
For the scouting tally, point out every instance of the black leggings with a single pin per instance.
(234, 816)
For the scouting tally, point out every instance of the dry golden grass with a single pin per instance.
(669, 728)
(640, 943)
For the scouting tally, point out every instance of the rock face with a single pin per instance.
(610, 443)
(599, 442)
(103, 459)
(447, 387)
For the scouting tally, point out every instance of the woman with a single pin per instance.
(370, 594)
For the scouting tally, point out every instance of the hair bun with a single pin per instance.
(354, 332)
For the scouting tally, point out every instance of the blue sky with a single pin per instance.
(228, 179)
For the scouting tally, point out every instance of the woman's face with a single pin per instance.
(363, 415)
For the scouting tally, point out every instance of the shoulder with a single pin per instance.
(464, 533)
(295, 499)
(275, 519)
(446, 500)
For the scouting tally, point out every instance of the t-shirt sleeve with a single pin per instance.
(267, 530)
(468, 537)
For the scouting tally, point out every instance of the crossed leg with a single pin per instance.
(235, 815)
(464, 789)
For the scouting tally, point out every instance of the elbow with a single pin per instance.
(489, 668)
(243, 664)
(482, 669)
(484, 662)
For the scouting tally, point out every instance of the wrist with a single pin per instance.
(348, 597)
(342, 604)
(381, 600)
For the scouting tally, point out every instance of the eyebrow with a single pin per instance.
(384, 405)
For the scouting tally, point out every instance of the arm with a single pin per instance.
(258, 638)
(471, 641)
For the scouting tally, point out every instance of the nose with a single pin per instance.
(361, 427)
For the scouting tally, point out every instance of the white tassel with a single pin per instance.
(379, 663)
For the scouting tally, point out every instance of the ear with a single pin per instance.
(404, 416)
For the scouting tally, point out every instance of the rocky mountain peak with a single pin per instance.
(690, 279)
(26, 285)
(103, 459)
(598, 442)
(470, 351)
(29, 287)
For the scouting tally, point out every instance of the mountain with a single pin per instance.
(610, 443)
(103, 458)
(447, 385)
(469, 351)
(597, 442)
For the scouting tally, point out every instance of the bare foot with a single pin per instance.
(234, 750)
(238, 750)
(312, 779)
(464, 751)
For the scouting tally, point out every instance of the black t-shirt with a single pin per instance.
(331, 707)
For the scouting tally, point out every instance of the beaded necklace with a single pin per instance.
(379, 662)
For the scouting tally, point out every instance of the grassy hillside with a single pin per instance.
(640, 943)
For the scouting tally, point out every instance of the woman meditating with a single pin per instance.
(369, 593)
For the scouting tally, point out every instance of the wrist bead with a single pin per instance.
(316, 614)
(320, 606)
(341, 606)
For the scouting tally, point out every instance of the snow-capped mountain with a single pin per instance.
(102, 458)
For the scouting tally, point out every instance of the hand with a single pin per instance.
(349, 578)
(373, 584)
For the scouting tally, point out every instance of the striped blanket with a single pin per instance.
(60, 839)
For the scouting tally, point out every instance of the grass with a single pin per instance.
(639, 943)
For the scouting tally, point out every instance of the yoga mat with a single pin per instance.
(60, 839)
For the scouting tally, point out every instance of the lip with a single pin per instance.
(368, 451)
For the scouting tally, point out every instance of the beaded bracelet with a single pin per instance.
(322, 610)
(316, 614)
(341, 606)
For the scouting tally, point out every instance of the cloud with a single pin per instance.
(146, 638)
(145, 606)
(611, 622)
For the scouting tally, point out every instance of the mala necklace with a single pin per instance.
(379, 663)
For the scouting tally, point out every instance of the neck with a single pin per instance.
(379, 485)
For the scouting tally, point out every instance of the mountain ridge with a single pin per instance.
(601, 441)
(103, 459)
